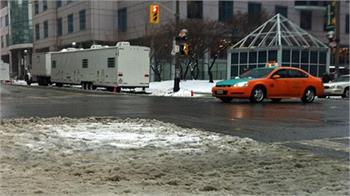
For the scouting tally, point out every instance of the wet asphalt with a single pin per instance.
(285, 122)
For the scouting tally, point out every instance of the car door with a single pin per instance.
(278, 87)
(297, 82)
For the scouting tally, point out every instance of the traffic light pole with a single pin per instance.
(176, 56)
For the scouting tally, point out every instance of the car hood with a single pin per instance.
(232, 81)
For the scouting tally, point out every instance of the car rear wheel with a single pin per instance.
(226, 99)
(258, 95)
(309, 95)
(276, 100)
(346, 93)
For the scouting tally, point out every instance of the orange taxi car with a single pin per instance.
(275, 83)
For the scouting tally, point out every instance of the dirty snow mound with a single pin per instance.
(109, 156)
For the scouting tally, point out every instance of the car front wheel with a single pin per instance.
(309, 95)
(346, 93)
(258, 95)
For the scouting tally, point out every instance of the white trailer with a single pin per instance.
(41, 68)
(120, 66)
(4, 71)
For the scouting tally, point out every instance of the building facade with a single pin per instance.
(59, 24)
(4, 32)
(16, 36)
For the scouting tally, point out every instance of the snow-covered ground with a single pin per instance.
(109, 156)
(165, 88)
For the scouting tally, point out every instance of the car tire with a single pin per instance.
(226, 99)
(346, 93)
(309, 95)
(276, 100)
(258, 95)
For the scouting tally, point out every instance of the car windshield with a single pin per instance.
(342, 79)
(257, 73)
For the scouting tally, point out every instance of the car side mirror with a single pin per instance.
(276, 76)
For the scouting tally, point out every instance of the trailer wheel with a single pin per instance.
(93, 87)
(84, 85)
(90, 86)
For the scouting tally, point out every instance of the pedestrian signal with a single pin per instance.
(154, 16)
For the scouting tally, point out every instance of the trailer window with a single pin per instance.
(53, 64)
(85, 63)
(111, 62)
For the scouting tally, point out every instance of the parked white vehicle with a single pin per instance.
(115, 67)
(339, 87)
(41, 68)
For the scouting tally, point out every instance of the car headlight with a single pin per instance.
(331, 87)
(241, 84)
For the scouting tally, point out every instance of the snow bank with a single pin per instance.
(109, 156)
(165, 88)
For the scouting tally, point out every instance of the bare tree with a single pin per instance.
(205, 37)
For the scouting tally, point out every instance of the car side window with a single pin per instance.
(282, 72)
(297, 74)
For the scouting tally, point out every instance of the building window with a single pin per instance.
(6, 20)
(46, 29)
(53, 64)
(122, 20)
(44, 5)
(195, 9)
(58, 3)
(59, 27)
(69, 1)
(283, 10)
(82, 20)
(36, 7)
(254, 12)
(85, 63)
(306, 20)
(2, 41)
(347, 24)
(37, 31)
(70, 23)
(0, 22)
(111, 62)
(225, 10)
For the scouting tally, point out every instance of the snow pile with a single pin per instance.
(22, 83)
(108, 156)
(122, 135)
(165, 88)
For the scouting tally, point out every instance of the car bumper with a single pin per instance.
(334, 91)
(235, 92)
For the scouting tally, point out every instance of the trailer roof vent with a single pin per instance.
(95, 46)
(123, 44)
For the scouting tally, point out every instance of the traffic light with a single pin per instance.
(154, 16)
(184, 47)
